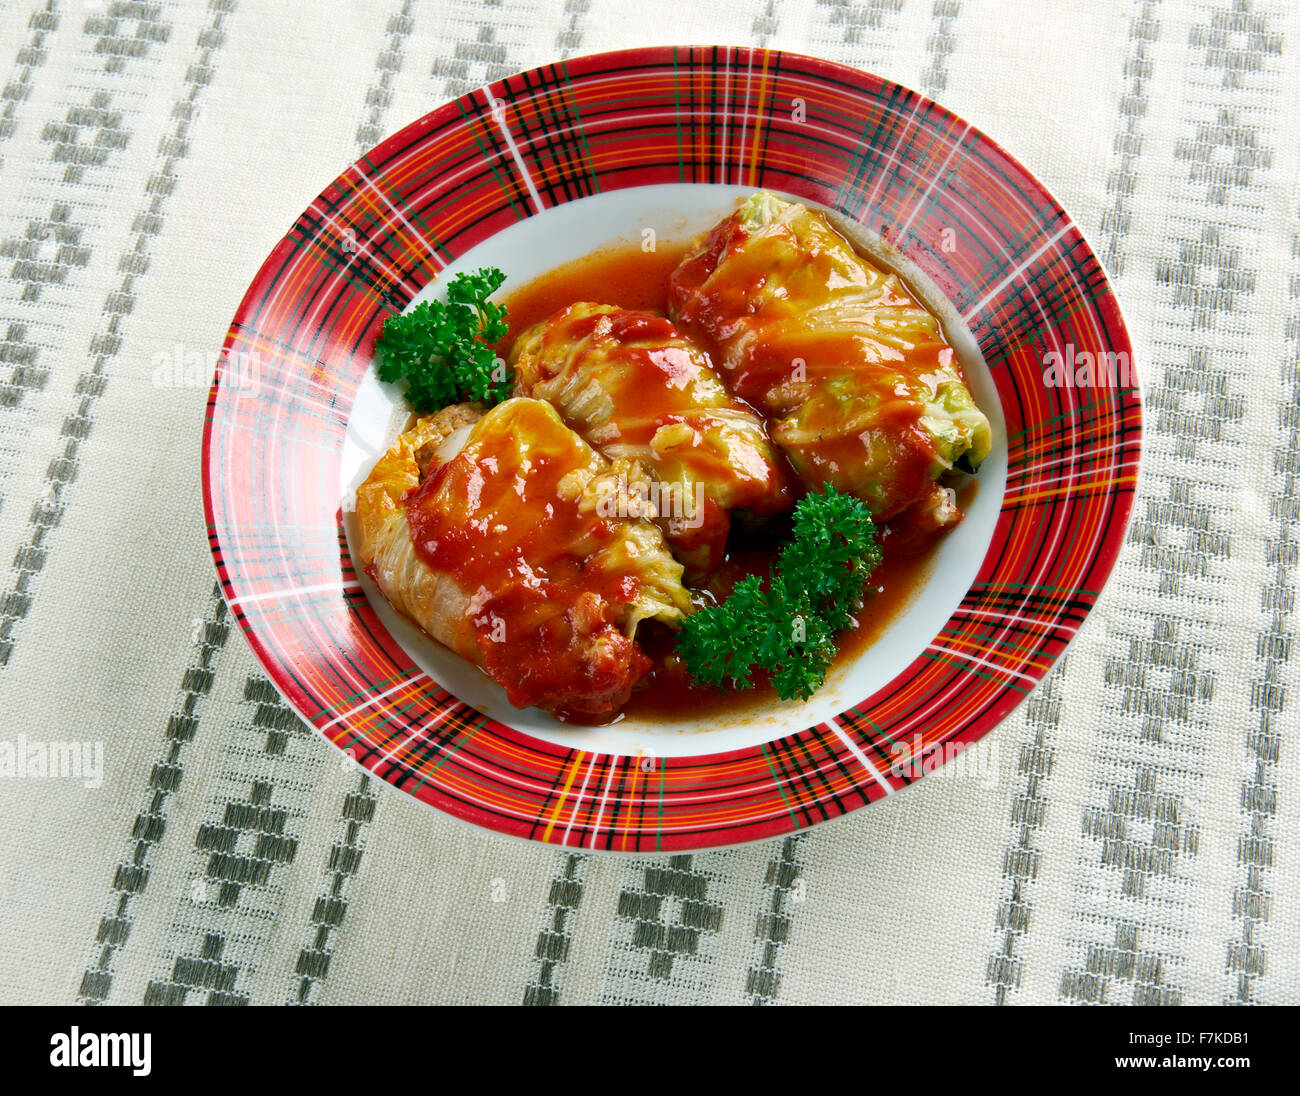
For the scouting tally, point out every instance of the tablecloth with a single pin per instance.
(1133, 838)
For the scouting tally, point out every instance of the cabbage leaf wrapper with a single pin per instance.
(861, 387)
(637, 389)
(487, 530)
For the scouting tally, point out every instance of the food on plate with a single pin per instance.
(443, 349)
(636, 389)
(861, 387)
(602, 502)
(488, 530)
(787, 627)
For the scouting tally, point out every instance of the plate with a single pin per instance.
(655, 144)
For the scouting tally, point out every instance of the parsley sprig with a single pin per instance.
(443, 349)
(788, 628)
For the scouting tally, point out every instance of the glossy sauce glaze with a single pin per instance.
(847, 385)
(497, 516)
(630, 278)
(625, 276)
(661, 403)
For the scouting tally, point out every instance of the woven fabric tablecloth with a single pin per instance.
(1138, 837)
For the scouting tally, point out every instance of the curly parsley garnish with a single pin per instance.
(443, 349)
(789, 628)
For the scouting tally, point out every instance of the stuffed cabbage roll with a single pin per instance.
(487, 530)
(863, 390)
(636, 389)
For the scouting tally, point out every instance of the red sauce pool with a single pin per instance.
(666, 691)
(625, 276)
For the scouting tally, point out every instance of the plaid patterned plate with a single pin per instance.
(972, 221)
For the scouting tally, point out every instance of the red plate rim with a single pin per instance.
(1020, 272)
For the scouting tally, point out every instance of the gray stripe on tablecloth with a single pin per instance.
(1139, 69)
(939, 46)
(1139, 827)
(1020, 857)
(42, 22)
(471, 63)
(1252, 901)
(556, 935)
(247, 841)
(782, 893)
(569, 39)
(1029, 806)
(355, 816)
(387, 67)
(765, 25)
(357, 811)
(88, 110)
(149, 828)
(862, 29)
(34, 274)
(211, 630)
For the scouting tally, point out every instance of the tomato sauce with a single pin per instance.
(625, 276)
(630, 278)
(516, 540)
(667, 692)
